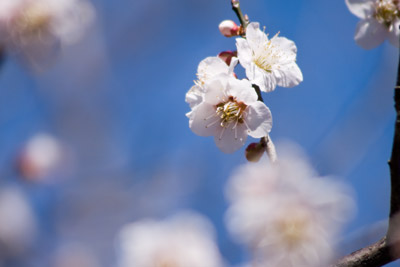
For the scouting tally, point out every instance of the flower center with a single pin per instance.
(33, 20)
(267, 55)
(230, 111)
(292, 229)
(386, 11)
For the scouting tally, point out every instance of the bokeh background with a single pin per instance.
(116, 102)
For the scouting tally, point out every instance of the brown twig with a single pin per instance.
(244, 21)
(387, 249)
(374, 255)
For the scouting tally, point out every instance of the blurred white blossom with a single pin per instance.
(17, 222)
(41, 156)
(380, 20)
(268, 62)
(35, 28)
(229, 112)
(75, 255)
(285, 213)
(207, 69)
(187, 239)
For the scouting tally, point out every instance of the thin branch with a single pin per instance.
(374, 255)
(394, 164)
(244, 21)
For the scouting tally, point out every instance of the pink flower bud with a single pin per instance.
(229, 28)
(254, 152)
(227, 56)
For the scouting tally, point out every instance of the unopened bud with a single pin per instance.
(254, 152)
(229, 28)
(227, 56)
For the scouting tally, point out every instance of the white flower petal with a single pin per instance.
(370, 33)
(285, 44)
(231, 139)
(254, 35)
(259, 119)
(201, 121)
(214, 90)
(289, 75)
(234, 62)
(360, 8)
(194, 96)
(264, 80)
(211, 66)
(244, 52)
(394, 35)
(242, 90)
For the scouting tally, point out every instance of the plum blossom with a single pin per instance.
(41, 157)
(207, 69)
(285, 213)
(187, 239)
(18, 225)
(380, 20)
(36, 28)
(268, 62)
(229, 112)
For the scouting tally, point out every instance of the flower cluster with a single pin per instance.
(230, 109)
(285, 213)
(380, 20)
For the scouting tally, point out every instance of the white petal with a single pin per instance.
(289, 75)
(242, 90)
(194, 96)
(285, 44)
(201, 120)
(231, 139)
(211, 66)
(370, 33)
(244, 52)
(360, 8)
(255, 36)
(394, 35)
(234, 62)
(259, 120)
(215, 89)
(266, 81)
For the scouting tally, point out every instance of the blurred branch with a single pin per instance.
(2, 56)
(387, 249)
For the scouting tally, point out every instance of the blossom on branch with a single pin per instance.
(285, 213)
(207, 69)
(181, 241)
(229, 111)
(380, 20)
(268, 62)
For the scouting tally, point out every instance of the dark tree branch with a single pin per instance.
(387, 249)
(394, 164)
(375, 255)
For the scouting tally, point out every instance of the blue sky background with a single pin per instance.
(117, 100)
